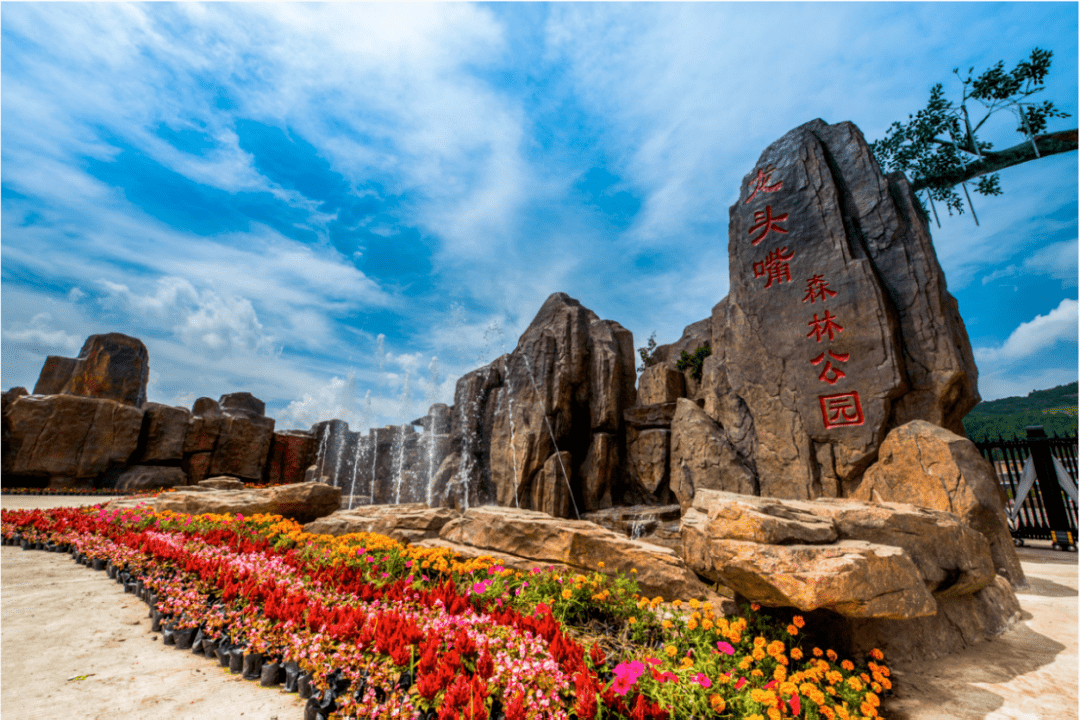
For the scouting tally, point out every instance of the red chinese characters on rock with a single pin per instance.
(817, 289)
(831, 374)
(841, 410)
(766, 223)
(820, 327)
(775, 266)
(760, 183)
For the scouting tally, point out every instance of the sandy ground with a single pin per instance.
(61, 621)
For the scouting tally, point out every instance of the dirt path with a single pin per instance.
(61, 620)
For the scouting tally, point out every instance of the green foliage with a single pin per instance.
(694, 362)
(646, 353)
(1055, 409)
(940, 139)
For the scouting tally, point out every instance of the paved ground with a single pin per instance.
(61, 621)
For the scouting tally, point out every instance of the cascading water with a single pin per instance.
(320, 458)
(359, 448)
(429, 431)
(340, 436)
(510, 416)
(468, 445)
(399, 439)
(551, 433)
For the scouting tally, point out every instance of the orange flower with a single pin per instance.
(792, 630)
(831, 655)
(848, 665)
(798, 621)
(817, 652)
(796, 654)
(877, 654)
(717, 704)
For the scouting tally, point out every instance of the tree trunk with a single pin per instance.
(1052, 144)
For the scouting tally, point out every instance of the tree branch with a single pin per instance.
(1051, 144)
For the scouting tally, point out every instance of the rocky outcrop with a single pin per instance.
(110, 367)
(227, 437)
(542, 427)
(163, 433)
(538, 537)
(896, 575)
(660, 384)
(302, 502)
(929, 466)
(702, 458)
(408, 523)
(64, 436)
(150, 477)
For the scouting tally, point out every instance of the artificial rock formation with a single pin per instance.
(163, 433)
(230, 436)
(150, 477)
(894, 575)
(407, 523)
(837, 329)
(111, 367)
(542, 427)
(926, 465)
(291, 453)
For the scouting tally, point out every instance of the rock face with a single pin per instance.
(702, 457)
(926, 465)
(897, 575)
(538, 537)
(407, 523)
(837, 329)
(291, 452)
(67, 436)
(111, 367)
(542, 427)
(302, 502)
(163, 433)
(227, 437)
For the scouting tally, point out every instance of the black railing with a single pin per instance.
(1047, 512)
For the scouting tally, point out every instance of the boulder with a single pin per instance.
(111, 367)
(8, 452)
(197, 466)
(541, 538)
(150, 477)
(164, 431)
(660, 384)
(647, 454)
(702, 457)
(650, 416)
(951, 558)
(407, 523)
(242, 442)
(302, 502)
(636, 520)
(291, 453)
(929, 466)
(221, 483)
(71, 436)
(242, 403)
(851, 577)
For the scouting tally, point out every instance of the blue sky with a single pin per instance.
(341, 208)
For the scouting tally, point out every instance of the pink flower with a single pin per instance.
(668, 676)
(796, 706)
(725, 647)
(652, 661)
(622, 684)
(740, 683)
(703, 681)
(408, 563)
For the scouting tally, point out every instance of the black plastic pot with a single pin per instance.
(303, 686)
(253, 663)
(197, 642)
(140, 589)
(224, 656)
(99, 564)
(405, 680)
(209, 648)
(292, 671)
(155, 623)
(236, 660)
(110, 571)
(168, 635)
(129, 587)
(269, 675)
(320, 706)
(26, 545)
(184, 638)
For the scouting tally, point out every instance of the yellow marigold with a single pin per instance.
(864, 677)
(788, 688)
(734, 636)
(685, 663)
(773, 714)
(855, 683)
(707, 624)
(676, 603)
(780, 673)
(633, 571)
(666, 624)
(831, 655)
(886, 683)
(833, 677)
(746, 662)
(848, 665)
(842, 712)
(831, 690)
(671, 650)
(567, 594)
(717, 703)
(872, 699)
(758, 654)
(657, 600)
(692, 625)
(877, 654)
(600, 564)
(817, 652)
(798, 621)
(756, 673)
(823, 666)
(755, 716)
(807, 688)
(759, 641)
(631, 620)
(796, 654)
(706, 606)
(792, 630)
(759, 696)
(775, 648)
(695, 603)
(868, 710)
(723, 679)
(827, 713)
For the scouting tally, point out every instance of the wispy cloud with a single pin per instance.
(1038, 334)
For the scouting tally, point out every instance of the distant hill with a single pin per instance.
(1055, 409)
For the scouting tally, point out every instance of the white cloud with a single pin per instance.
(1034, 336)
(1056, 260)
(41, 333)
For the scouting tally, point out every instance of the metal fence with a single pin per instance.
(1047, 512)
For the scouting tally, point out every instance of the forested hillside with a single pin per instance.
(1055, 409)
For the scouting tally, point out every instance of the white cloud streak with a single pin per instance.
(1036, 335)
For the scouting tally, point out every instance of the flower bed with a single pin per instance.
(385, 630)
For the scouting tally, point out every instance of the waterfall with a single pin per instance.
(551, 433)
